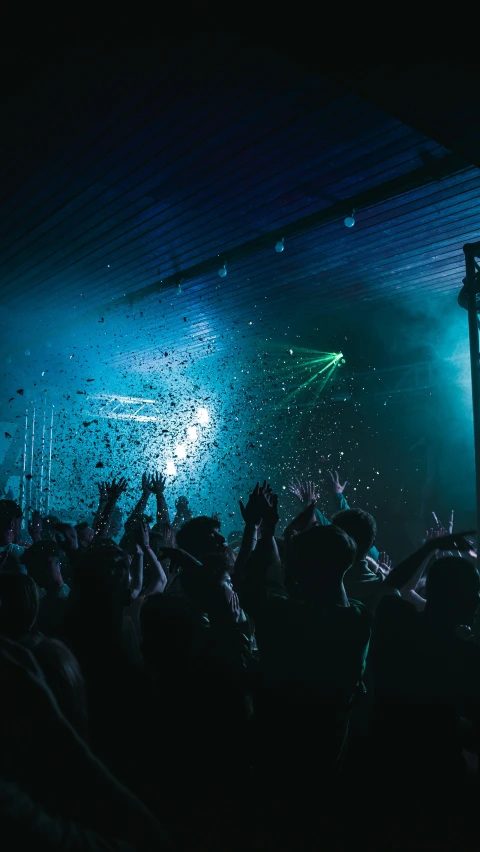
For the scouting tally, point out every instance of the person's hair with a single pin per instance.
(193, 532)
(35, 558)
(321, 555)
(18, 605)
(82, 526)
(64, 677)
(360, 526)
(452, 590)
(9, 512)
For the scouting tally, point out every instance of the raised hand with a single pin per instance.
(66, 537)
(147, 484)
(115, 489)
(333, 484)
(102, 489)
(305, 490)
(252, 512)
(144, 535)
(269, 507)
(432, 534)
(181, 506)
(385, 563)
(456, 541)
(158, 483)
(35, 526)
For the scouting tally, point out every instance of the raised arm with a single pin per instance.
(263, 568)
(183, 513)
(102, 502)
(158, 487)
(336, 491)
(402, 574)
(251, 514)
(131, 525)
(35, 526)
(114, 490)
(158, 579)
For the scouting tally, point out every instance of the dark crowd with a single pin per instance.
(164, 688)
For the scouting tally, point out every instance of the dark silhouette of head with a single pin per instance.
(64, 677)
(18, 605)
(10, 522)
(201, 537)
(85, 534)
(360, 526)
(102, 578)
(42, 561)
(320, 556)
(453, 592)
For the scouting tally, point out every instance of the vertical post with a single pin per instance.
(23, 493)
(42, 459)
(471, 288)
(49, 475)
(32, 448)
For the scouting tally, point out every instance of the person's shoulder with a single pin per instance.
(358, 614)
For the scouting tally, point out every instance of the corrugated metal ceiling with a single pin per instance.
(117, 185)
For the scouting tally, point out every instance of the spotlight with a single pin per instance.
(171, 470)
(180, 451)
(349, 221)
(280, 245)
(203, 416)
(223, 271)
(192, 433)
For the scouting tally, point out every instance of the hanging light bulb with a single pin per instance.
(349, 221)
(280, 245)
(223, 271)
(178, 288)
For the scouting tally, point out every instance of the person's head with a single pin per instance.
(18, 605)
(63, 676)
(42, 561)
(85, 534)
(10, 522)
(453, 592)
(102, 578)
(360, 526)
(201, 537)
(319, 558)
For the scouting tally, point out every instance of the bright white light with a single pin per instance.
(349, 221)
(180, 451)
(192, 433)
(279, 247)
(171, 470)
(203, 415)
